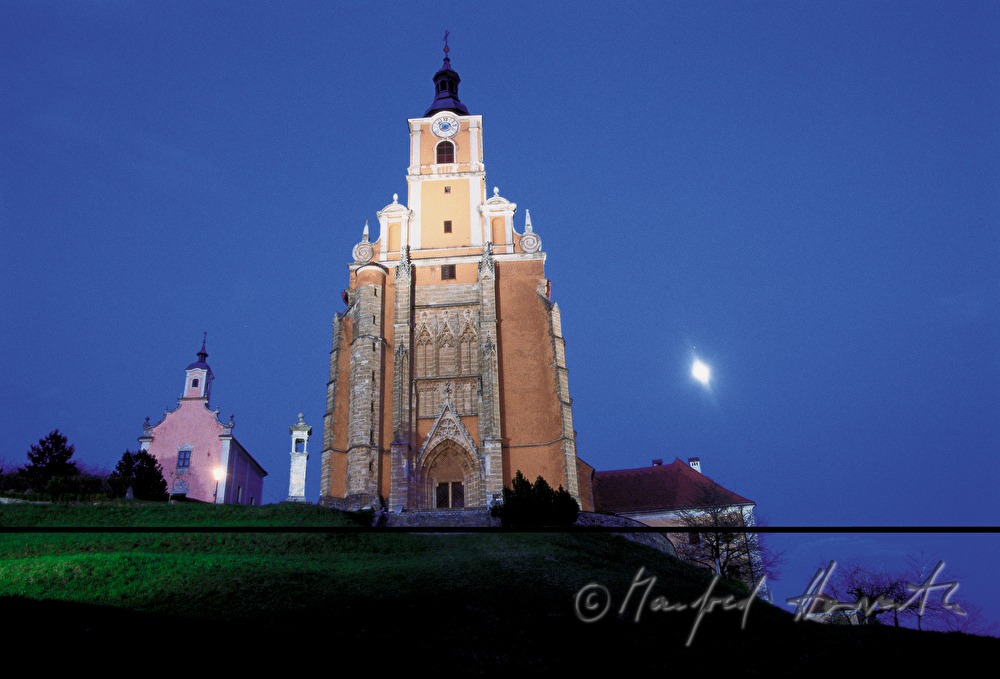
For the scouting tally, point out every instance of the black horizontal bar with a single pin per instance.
(485, 529)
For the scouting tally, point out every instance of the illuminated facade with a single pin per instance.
(200, 457)
(448, 369)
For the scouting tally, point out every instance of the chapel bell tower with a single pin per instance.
(198, 376)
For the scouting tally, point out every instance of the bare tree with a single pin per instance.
(919, 594)
(721, 538)
(871, 592)
(972, 622)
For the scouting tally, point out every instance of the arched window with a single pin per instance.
(447, 364)
(194, 383)
(445, 152)
(466, 354)
(425, 355)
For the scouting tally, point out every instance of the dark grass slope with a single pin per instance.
(482, 602)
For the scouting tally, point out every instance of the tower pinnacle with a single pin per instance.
(202, 355)
(446, 87)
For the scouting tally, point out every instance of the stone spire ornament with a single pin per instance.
(363, 251)
(530, 242)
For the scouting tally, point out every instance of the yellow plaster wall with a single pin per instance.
(497, 230)
(436, 206)
(395, 233)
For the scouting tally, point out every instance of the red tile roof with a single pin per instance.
(658, 487)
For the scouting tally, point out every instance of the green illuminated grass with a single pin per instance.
(493, 598)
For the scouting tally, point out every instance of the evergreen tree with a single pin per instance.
(142, 473)
(565, 508)
(49, 463)
(527, 505)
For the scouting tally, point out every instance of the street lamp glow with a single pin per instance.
(219, 473)
(701, 372)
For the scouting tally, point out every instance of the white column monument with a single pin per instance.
(300, 432)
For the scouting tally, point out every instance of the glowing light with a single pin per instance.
(701, 372)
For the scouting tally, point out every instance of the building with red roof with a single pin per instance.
(710, 520)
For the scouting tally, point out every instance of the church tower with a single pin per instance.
(448, 368)
(198, 376)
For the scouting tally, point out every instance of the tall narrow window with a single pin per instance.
(447, 354)
(300, 445)
(447, 272)
(447, 229)
(425, 355)
(466, 352)
(194, 383)
(446, 152)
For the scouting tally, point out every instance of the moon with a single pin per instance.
(701, 372)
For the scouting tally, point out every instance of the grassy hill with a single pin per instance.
(475, 601)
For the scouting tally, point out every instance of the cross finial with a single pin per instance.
(445, 38)
(203, 354)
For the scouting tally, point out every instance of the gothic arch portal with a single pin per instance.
(450, 478)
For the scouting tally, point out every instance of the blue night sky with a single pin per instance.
(804, 195)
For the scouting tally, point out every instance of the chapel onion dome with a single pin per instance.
(202, 356)
(446, 91)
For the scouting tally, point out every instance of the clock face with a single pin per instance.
(445, 126)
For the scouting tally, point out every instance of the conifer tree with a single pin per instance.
(141, 472)
(49, 461)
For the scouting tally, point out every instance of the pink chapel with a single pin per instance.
(201, 458)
